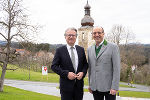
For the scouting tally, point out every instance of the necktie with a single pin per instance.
(73, 58)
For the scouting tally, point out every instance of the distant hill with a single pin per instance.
(147, 50)
(146, 45)
(3, 43)
(13, 44)
(52, 47)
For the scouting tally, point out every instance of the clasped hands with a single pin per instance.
(73, 76)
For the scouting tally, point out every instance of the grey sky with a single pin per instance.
(57, 15)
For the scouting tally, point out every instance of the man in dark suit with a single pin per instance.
(71, 65)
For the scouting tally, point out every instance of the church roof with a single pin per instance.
(87, 20)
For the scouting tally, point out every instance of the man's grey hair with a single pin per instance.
(70, 28)
(99, 27)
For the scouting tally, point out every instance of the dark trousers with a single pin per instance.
(76, 94)
(100, 96)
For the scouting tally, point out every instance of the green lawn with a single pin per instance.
(134, 94)
(12, 93)
(131, 94)
(126, 86)
(22, 74)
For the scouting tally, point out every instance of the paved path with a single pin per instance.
(50, 89)
(138, 87)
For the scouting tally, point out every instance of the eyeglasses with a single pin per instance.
(69, 35)
(97, 32)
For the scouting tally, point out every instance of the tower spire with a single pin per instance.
(87, 20)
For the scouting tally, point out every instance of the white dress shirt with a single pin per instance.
(99, 44)
(75, 53)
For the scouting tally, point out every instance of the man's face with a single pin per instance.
(70, 37)
(98, 35)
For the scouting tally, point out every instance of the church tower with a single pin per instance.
(84, 32)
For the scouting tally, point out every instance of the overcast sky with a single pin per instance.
(57, 15)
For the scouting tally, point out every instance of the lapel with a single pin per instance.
(67, 54)
(103, 48)
(93, 49)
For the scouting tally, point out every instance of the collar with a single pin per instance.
(68, 46)
(103, 42)
(99, 44)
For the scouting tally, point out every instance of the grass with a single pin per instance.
(12, 93)
(126, 86)
(22, 74)
(131, 94)
(134, 94)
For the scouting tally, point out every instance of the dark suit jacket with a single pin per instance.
(62, 65)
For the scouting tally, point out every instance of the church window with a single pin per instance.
(83, 36)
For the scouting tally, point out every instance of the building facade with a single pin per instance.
(84, 32)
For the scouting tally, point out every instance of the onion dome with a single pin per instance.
(87, 20)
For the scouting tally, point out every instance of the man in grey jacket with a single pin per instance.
(104, 67)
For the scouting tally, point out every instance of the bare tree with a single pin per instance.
(120, 34)
(13, 25)
(131, 55)
(44, 58)
(135, 55)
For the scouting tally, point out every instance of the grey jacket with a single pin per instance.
(104, 70)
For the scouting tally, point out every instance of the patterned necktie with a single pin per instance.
(73, 58)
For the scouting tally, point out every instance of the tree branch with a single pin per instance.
(3, 23)
(14, 35)
(3, 36)
(13, 5)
